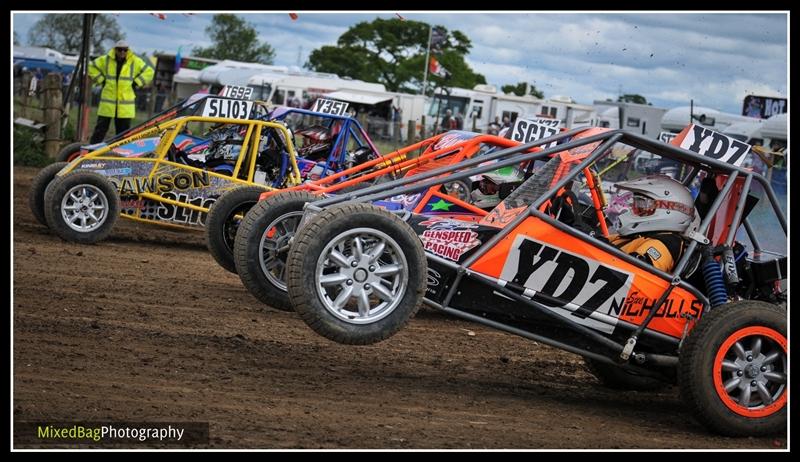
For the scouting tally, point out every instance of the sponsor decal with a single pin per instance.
(115, 171)
(96, 165)
(764, 107)
(407, 200)
(654, 253)
(132, 185)
(452, 138)
(132, 204)
(433, 277)
(446, 223)
(637, 305)
(448, 243)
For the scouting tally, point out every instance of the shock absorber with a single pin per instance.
(715, 284)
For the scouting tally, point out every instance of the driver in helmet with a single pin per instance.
(660, 217)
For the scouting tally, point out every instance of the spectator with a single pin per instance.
(119, 72)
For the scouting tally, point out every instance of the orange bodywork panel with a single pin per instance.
(592, 286)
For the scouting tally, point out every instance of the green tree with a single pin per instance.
(392, 52)
(64, 32)
(16, 38)
(632, 98)
(519, 90)
(234, 38)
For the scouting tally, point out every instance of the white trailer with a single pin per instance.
(642, 119)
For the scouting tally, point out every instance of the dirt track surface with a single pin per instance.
(145, 326)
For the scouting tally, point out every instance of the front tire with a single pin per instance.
(733, 369)
(82, 207)
(357, 273)
(222, 222)
(40, 183)
(262, 244)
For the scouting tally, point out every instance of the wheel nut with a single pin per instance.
(749, 358)
(367, 286)
(353, 263)
(372, 267)
(753, 383)
(763, 368)
(739, 373)
(349, 282)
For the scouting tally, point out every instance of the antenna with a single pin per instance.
(299, 54)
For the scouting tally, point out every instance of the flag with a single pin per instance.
(438, 38)
(160, 16)
(178, 59)
(437, 69)
(401, 18)
(293, 16)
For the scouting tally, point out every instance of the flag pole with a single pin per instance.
(427, 55)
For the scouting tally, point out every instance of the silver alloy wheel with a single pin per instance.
(361, 276)
(273, 247)
(84, 208)
(750, 377)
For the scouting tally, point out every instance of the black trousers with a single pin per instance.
(120, 125)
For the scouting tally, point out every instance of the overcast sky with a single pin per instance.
(670, 58)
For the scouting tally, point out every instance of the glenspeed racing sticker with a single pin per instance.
(579, 288)
(449, 239)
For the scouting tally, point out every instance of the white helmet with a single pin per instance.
(658, 203)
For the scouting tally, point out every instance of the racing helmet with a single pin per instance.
(657, 203)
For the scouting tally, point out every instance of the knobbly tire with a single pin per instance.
(743, 340)
(38, 187)
(261, 246)
(355, 232)
(69, 152)
(222, 223)
(621, 379)
(81, 207)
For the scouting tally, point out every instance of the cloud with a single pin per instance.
(670, 58)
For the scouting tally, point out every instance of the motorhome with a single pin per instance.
(642, 119)
(484, 105)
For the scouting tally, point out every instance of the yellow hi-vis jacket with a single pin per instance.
(118, 99)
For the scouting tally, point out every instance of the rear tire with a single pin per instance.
(40, 183)
(222, 223)
(82, 207)
(259, 262)
(371, 257)
(737, 352)
(69, 152)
